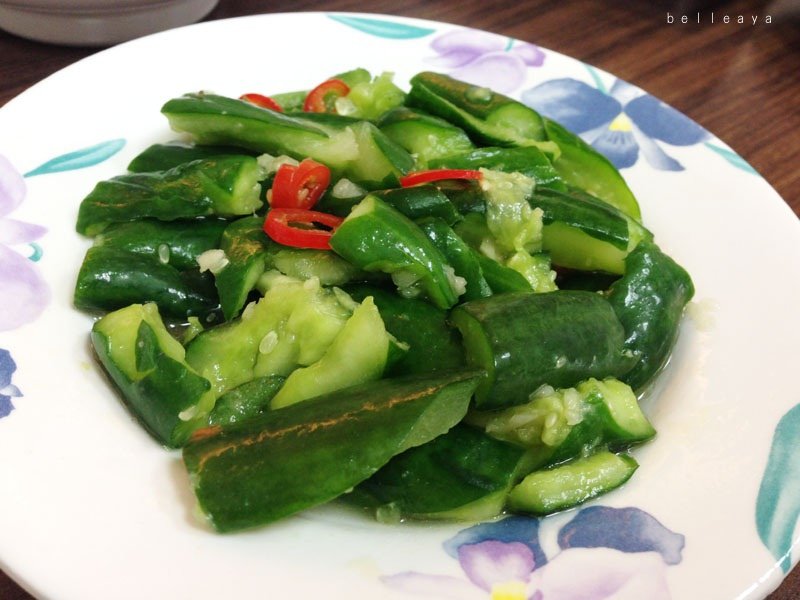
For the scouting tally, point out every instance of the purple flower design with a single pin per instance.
(23, 293)
(485, 59)
(7, 389)
(619, 123)
(604, 554)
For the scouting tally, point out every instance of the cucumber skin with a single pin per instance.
(200, 188)
(414, 130)
(381, 238)
(528, 160)
(501, 279)
(246, 401)
(461, 257)
(420, 201)
(213, 119)
(452, 100)
(582, 166)
(110, 279)
(287, 460)
(245, 246)
(160, 157)
(558, 338)
(649, 301)
(451, 472)
(185, 240)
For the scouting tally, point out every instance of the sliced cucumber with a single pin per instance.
(570, 484)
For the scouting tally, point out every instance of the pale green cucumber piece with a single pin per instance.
(358, 354)
(570, 484)
(291, 326)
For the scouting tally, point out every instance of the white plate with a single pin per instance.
(91, 507)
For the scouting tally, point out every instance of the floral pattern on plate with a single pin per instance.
(778, 505)
(621, 123)
(7, 389)
(485, 59)
(603, 553)
(490, 557)
(24, 294)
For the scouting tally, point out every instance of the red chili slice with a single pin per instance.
(323, 97)
(419, 177)
(299, 186)
(281, 225)
(262, 101)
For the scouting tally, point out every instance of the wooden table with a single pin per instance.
(741, 82)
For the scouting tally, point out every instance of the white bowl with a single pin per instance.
(97, 22)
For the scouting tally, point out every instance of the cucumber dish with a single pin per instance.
(430, 303)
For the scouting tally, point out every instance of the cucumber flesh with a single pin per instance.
(570, 484)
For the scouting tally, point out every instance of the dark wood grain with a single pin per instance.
(740, 81)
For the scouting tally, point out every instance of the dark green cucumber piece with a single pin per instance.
(420, 201)
(175, 243)
(490, 118)
(147, 365)
(459, 256)
(414, 202)
(246, 401)
(110, 279)
(245, 247)
(501, 279)
(222, 186)
(526, 340)
(161, 157)
(306, 454)
(213, 119)
(432, 344)
(461, 475)
(378, 238)
(580, 165)
(582, 232)
(591, 281)
(426, 137)
(528, 160)
(354, 149)
(465, 195)
(649, 301)
(567, 485)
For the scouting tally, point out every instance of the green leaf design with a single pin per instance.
(778, 504)
(598, 83)
(37, 254)
(79, 159)
(733, 158)
(385, 29)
